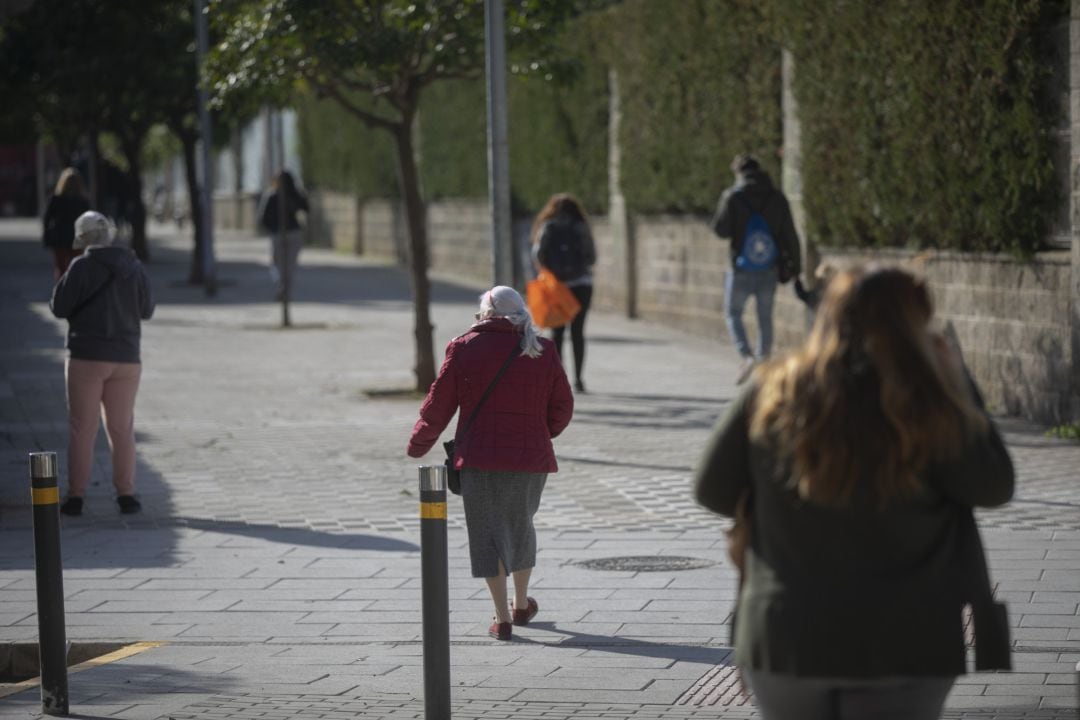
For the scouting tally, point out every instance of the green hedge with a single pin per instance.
(558, 140)
(699, 83)
(338, 152)
(926, 125)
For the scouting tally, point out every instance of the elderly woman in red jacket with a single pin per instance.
(506, 454)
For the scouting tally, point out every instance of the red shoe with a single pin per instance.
(522, 617)
(500, 631)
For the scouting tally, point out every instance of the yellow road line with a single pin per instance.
(124, 652)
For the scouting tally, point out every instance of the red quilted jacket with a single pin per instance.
(530, 405)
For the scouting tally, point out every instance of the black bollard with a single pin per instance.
(52, 643)
(434, 587)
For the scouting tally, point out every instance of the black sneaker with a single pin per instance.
(72, 506)
(128, 504)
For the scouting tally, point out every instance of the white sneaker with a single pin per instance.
(745, 369)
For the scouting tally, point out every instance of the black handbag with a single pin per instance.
(991, 618)
(453, 475)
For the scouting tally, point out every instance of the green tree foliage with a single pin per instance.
(387, 52)
(453, 139)
(87, 67)
(925, 124)
(339, 152)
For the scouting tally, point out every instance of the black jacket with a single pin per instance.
(863, 591)
(104, 296)
(566, 248)
(59, 221)
(755, 190)
(295, 203)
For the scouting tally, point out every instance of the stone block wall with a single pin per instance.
(334, 221)
(235, 211)
(1012, 318)
(383, 228)
(459, 233)
(680, 272)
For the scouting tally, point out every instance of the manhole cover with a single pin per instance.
(645, 563)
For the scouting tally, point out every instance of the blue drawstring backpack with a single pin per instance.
(759, 250)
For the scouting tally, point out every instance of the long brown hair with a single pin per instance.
(70, 182)
(870, 392)
(558, 204)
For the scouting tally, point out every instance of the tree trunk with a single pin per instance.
(417, 223)
(131, 149)
(195, 277)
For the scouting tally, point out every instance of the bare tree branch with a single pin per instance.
(369, 118)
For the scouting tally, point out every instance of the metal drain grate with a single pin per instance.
(720, 686)
(646, 563)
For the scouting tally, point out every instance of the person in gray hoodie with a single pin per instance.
(104, 296)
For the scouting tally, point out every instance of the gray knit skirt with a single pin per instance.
(499, 509)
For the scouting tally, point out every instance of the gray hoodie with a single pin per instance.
(104, 295)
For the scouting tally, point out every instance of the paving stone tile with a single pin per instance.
(253, 563)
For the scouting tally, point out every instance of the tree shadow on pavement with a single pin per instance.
(298, 536)
(248, 281)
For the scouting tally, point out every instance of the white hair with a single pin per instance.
(93, 228)
(505, 302)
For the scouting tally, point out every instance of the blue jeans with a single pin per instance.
(784, 697)
(739, 286)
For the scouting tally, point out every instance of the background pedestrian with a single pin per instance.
(507, 453)
(563, 244)
(68, 202)
(285, 245)
(104, 295)
(861, 454)
(756, 217)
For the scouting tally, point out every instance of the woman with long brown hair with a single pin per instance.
(68, 202)
(862, 454)
(563, 245)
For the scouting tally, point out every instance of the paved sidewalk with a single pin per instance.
(277, 560)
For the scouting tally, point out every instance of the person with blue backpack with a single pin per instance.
(754, 214)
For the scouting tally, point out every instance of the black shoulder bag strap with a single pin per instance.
(514, 352)
(93, 296)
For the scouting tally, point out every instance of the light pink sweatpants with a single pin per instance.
(101, 390)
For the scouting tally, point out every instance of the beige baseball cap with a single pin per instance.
(93, 228)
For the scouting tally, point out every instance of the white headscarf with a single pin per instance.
(505, 302)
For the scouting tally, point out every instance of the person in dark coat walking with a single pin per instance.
(104, 296)
(563, 245)
(507, 454)
(757, 219)
(861, 455)
(285, 241)
(68, 202)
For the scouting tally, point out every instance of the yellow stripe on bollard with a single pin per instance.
(432, 511)
(45, 496)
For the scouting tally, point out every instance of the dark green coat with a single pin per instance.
(863, 591)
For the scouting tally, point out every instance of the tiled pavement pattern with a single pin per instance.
(278, 553)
